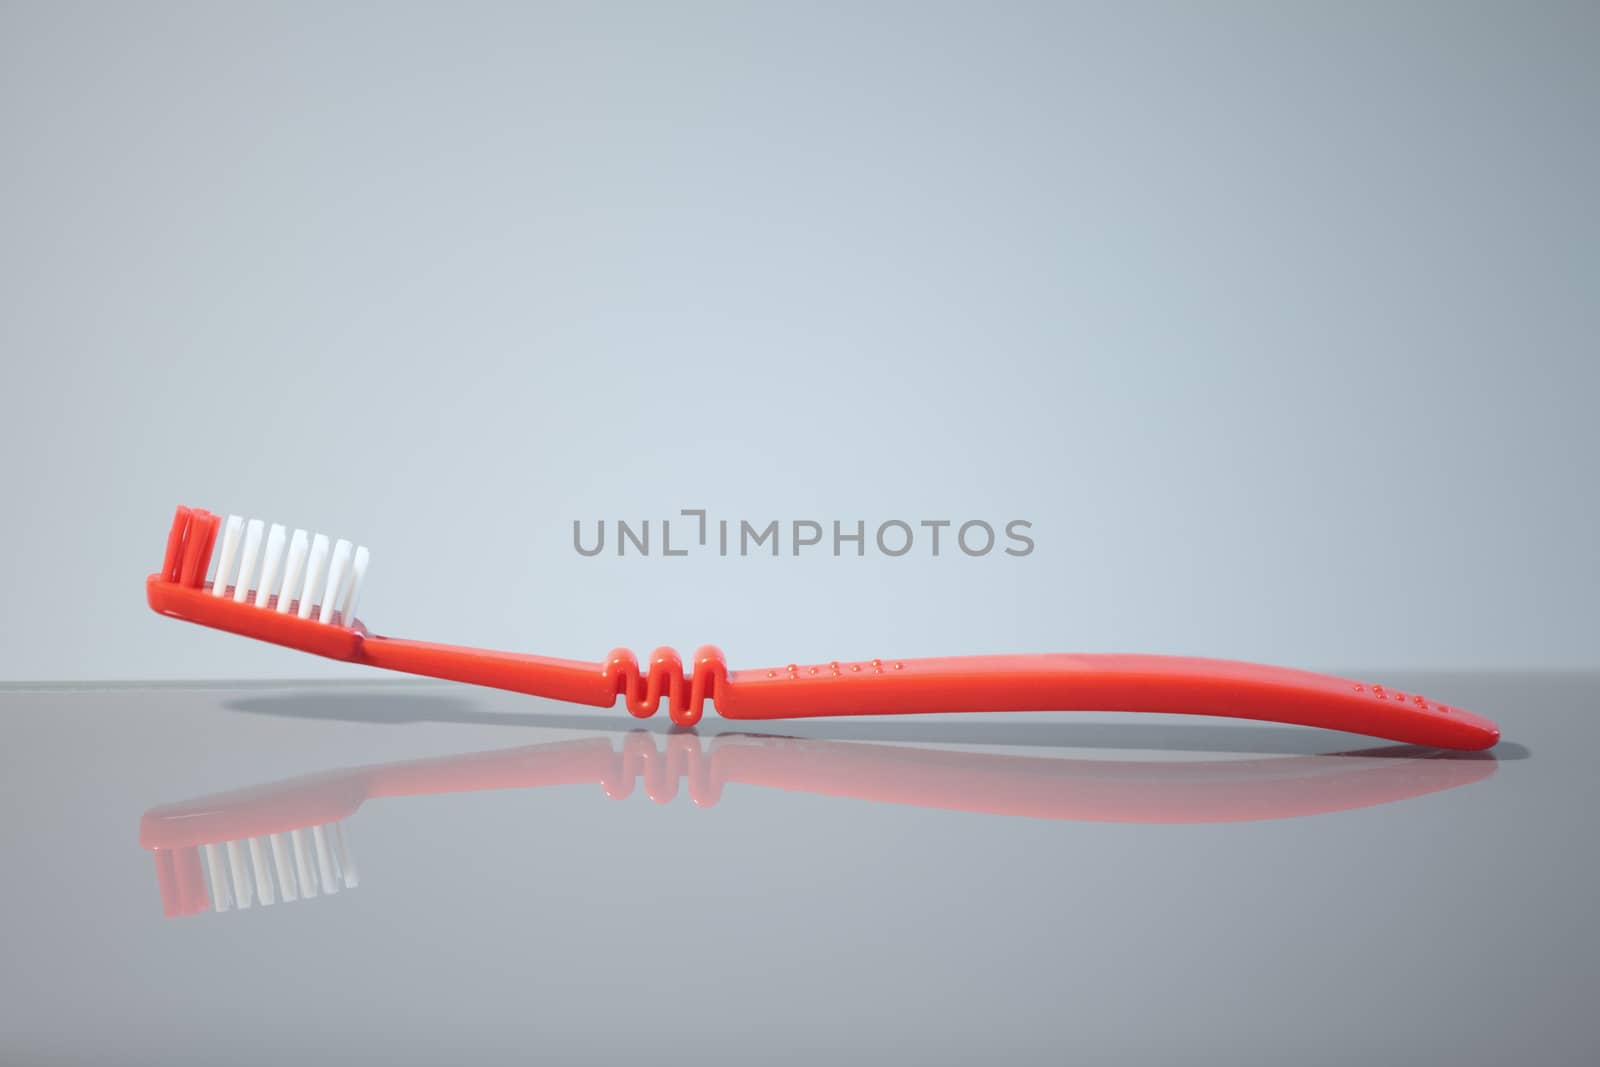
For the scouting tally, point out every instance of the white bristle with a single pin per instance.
(316, 575)
(325, 872)
(358, 572)
(293, 569)
(283, 861)
(271, 563)
(217, 875)
(249, 559)
(338, 575)
(258, 860)
(239, 869)
(227, 555)
(304, 865)
(331, 833)
(342, 851)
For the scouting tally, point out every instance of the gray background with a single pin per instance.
(1276, 320)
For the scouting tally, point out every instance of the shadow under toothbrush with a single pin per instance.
(394, 709)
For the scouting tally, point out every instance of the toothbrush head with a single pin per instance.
(294, 589)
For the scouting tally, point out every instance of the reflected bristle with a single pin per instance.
(289, 866)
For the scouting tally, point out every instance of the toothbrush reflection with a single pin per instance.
(286, 841)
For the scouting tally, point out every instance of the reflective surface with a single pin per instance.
(412, 873)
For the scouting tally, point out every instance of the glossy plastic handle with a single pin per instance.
(1046, 682)
(1106, 682)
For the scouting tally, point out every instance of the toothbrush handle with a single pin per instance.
(1048, 682)
(1072, 682)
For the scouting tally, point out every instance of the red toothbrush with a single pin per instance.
(296, 590)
